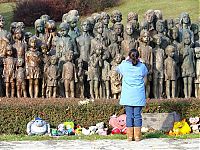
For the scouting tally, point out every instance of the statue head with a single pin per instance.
(105, 18)
(74, 12)
(118, 28)
(129, 28)
(39, 26)
(158, 14)
(51, 26)
(54, 60)
(9, 50)
(116, 16)
(44, 48)
(113, 37)
(80, 63)
(64, 29)
(170, 51)
(118, 58)
(27, 35)
(85, 25)
(185, 19)
(20, 62)
(96, 17)
(186, 37)
(144, 36)
(150, 16)
(160, 26)
(98, 28)
(20, 25)
(18, 34)
(45, 18)
(170, 23)
(132, 16)
(157, 39)
(72, 20)
(13, 26)
(33, 42)
(174, 33)
(195, 28)
(69, 56)
(2, 21)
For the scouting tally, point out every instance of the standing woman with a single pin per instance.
(133, 93)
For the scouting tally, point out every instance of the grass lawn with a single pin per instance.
(170, 8)
(91, 137)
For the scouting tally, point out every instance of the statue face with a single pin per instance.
(85, 26)
(18, 35)
(118, 59)
(160, 27)
(98, 51)
(118, 29)
(33, 44)
(158, 41)
(175, 34)
(186, 19)
(73, 23)
(100, 29)
(170, 24)
(64, 31)
(117, 18)
(69, 56)
(150, 17)
(187, 39)
(53, 60)
(2, 22)
(105, 20)
(40, 28)
(171, 52)
(19, 62)
(80, 64)
(145, 37)
(9, 51)
(129, 29)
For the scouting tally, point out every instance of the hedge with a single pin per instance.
(16, 113)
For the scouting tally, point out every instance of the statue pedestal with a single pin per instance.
(160, 121)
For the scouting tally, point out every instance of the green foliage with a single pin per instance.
(18, 112)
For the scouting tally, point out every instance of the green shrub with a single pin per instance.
(16, 113)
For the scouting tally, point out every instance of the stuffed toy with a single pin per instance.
(194, 124)
(118, 124)
(100, 129)
(78, 130)
(90, 131)
(180, 128)
(69, 126)
(38, 127)
(62, 130)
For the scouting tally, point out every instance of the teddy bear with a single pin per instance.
(100, 129)
(194, 124)
(118, 124)
(38, 127)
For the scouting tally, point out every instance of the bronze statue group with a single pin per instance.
(66, 61)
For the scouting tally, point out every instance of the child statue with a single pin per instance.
(146, 56)
(197, 81)
(94, 71)
(118, 28)
(81, 72)
(33, 62)
(115, 78)
(174, 36)
(188, 65)
(116, 16)
(106, 31)
(21, 78)
(9, 71)
(105, 77)
(19, 45)
(158, 67)
(84, 43)
(68, 75)
(53, 74)
(40, 31)
(113, 48)
(3, 33)
(170, 72)
(129, 41)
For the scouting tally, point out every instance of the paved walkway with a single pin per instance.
(146, 144)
